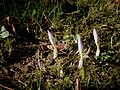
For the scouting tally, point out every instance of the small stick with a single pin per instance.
(5, 87)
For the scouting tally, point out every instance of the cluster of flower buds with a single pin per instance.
(80, 46)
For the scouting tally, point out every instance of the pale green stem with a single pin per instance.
(80, 62)
(97, 51)
(82, 73)
(55, 52)
(80, 66)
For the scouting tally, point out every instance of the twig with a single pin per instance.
(22, 83)
(5, 87)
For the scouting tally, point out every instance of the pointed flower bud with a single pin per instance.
(80, 49)
(96, 42)
(80, 46)
(51, 38)
(95, 36)
(52, 41)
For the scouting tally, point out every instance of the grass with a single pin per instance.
(28, 65)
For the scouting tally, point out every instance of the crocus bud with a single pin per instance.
(51, 38)
(52, 41)
(80, 46)
(95, 36)
(96, 42)
(80, 49)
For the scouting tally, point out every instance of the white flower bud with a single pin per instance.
(51, 38)
(52, 41)
(80, 46)
(96, 42)
(95, 36)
